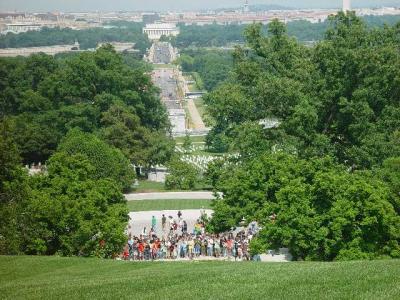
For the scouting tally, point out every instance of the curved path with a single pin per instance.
(170, 195)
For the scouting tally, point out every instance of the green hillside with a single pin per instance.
(26, 277)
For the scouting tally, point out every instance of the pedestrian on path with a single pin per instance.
(163, 222)
(153, 223)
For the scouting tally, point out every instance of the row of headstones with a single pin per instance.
(200, 161)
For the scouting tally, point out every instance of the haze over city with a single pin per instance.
(162, 5)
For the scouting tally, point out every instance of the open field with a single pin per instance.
(174, 204)
(149, 186)
(146, 186)
(27, 277)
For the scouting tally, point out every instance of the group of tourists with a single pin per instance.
(175, 242)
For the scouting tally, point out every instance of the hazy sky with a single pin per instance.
(113, 5)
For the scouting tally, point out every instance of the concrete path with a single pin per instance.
(170, 196)
(140, 219)
(195, 116)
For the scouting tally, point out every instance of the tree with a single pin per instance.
(181, 175)
(46, 97)
(323, 211)
(108, 162)
(187, 143)
(70, 213)
(13, 192)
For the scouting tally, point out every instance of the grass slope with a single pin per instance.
(78, 278)
(146, 205)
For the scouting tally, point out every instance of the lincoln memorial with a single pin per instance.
(155, 31)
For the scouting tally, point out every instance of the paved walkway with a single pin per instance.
(195, 116)
(140, 219)
(170, 196)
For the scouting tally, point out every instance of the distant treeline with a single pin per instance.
(220, 35)
(87, 38)
(193, 35)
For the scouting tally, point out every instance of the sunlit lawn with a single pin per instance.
(172, 204)
(24, 277)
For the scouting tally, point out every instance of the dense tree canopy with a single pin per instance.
(71, 212)
(340, 98)
(323, 212)
(95, 92)
(222, 35)
(87, 38)
(13, 192)
(317, 132)
(90, 116)
(212, 66)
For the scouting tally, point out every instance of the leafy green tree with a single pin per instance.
(108, 162)
(46, 97)
(323, 211)
(70, 213)
(13, 192)
(187, 143)
(182, 175)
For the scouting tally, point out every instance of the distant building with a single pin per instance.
(246, 8)
(150, 18)
(157, 30)
(346, 5)
(177, 117)
(22, 27)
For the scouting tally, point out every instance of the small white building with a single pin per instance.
(177, 117)
(157, 174)
(157, 30)
(22, 27)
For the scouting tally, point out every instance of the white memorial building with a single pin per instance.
(155, 31)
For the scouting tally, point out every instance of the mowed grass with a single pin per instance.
(173, 204)
(149, 186)
(27, 277)
(146, 186)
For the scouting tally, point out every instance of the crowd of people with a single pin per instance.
(175, 242)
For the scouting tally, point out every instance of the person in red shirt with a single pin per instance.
(141, 250)
(126, 253)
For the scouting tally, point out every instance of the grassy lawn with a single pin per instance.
(149, 186)
(199, 102)
(145, 205)
(146, 186)
(24, 277)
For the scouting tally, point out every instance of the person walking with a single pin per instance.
(179, 214)
(163, 222)
(153, 223)
(184, 227)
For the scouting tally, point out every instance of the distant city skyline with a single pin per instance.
(173, 5)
